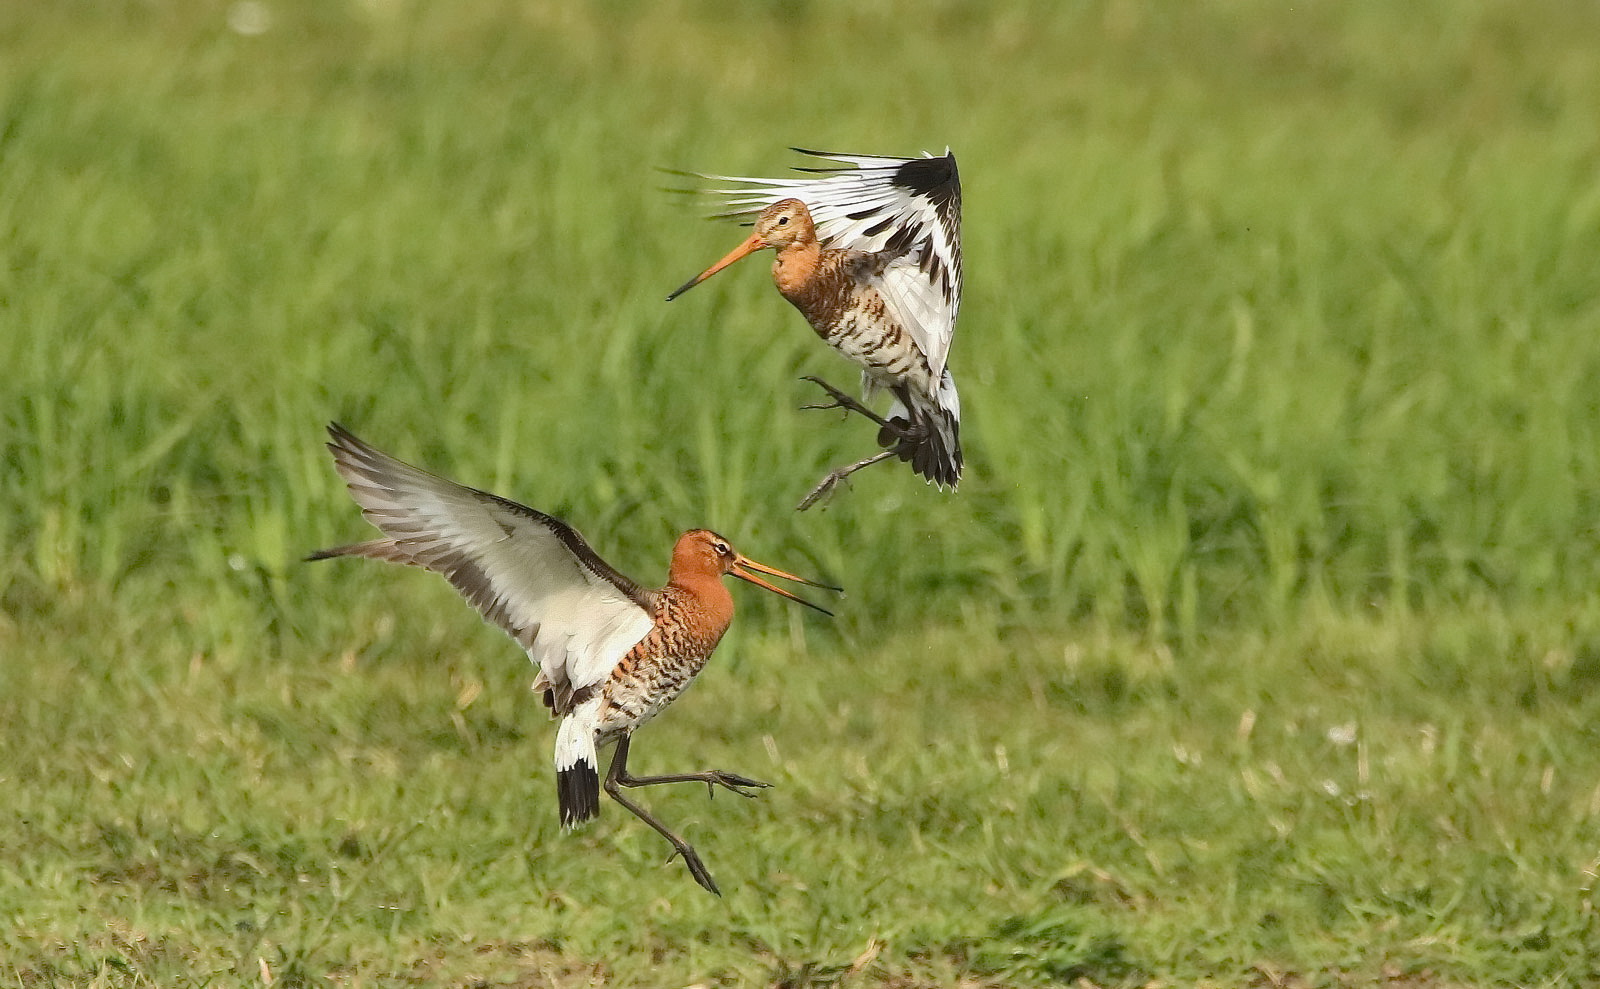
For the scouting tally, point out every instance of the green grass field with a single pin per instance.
(1260, 646)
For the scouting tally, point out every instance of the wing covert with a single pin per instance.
(530, 573)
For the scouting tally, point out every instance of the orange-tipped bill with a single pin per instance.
(750, 246)
(744, 564)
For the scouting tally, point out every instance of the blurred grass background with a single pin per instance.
(1260, 642)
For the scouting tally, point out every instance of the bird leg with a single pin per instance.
(889, 432)
(827, 484)
(712, 778)
(618, 776)
(843, 401)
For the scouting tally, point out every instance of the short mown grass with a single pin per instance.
(1260, 646)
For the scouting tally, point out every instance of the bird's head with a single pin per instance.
(783, 224)
(703, 553)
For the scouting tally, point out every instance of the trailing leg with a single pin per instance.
(833, 478)
(617, 777)
(844, 401)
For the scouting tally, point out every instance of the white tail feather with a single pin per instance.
(577, 765)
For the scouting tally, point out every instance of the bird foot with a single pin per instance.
(823, 489)
(834, 477)
(697, 868)
(733, 781)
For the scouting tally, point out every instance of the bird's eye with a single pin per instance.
(723, 549)
(783, 221)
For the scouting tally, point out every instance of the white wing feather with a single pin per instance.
(529, 573)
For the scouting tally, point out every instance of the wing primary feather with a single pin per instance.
(371, 464)
(529, 573)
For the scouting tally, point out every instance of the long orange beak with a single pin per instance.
(750, 246)
(744, 564)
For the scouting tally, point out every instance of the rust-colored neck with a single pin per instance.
(795, 268)
(816, 282)
(703, 602)
(695, 578)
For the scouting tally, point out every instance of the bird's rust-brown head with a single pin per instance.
(783, 225)
(702, 556)
(785, 222)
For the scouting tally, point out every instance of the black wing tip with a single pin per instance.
(352, 452)
(847, 162)
(935, 178)
(843, 166)
(694, 190)
(845, 156)
(341, 439)
(348, 549)
(839, 156)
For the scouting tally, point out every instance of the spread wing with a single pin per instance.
(529, 573)
(907, 206)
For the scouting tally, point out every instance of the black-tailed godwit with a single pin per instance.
(871, 255)
(611, 654)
